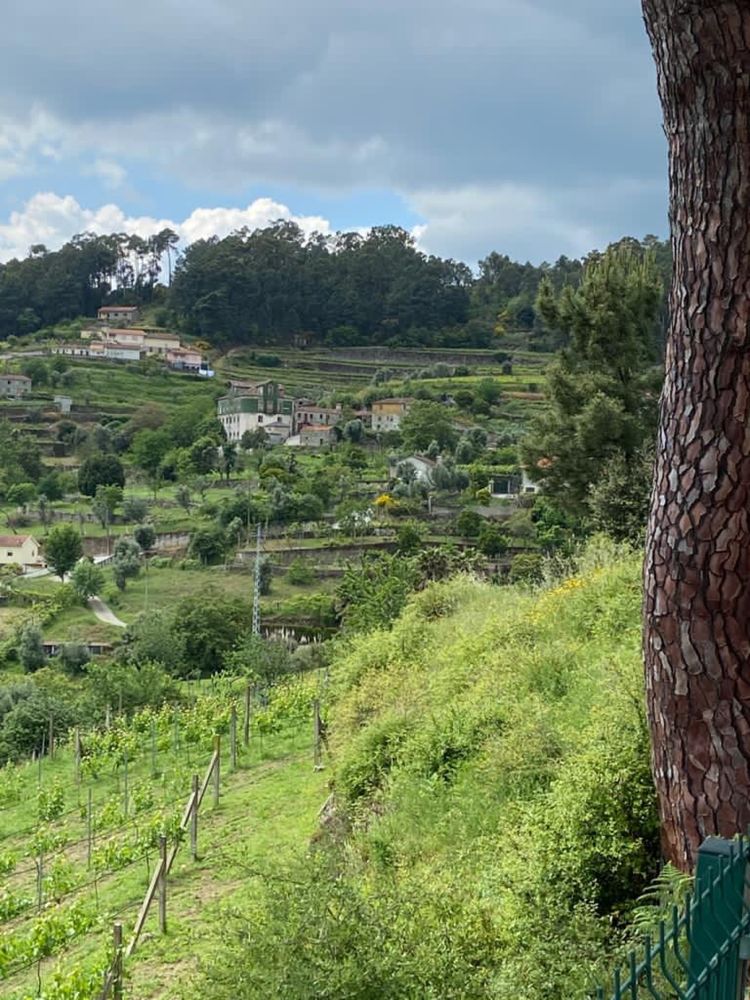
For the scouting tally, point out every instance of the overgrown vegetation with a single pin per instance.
(494, 817)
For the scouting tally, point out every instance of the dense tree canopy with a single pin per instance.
(265, 285)
(603, 389)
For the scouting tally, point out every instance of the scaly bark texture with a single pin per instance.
(697, 570)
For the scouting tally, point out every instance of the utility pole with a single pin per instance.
(256, 587)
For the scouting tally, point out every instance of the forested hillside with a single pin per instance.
(268, 285)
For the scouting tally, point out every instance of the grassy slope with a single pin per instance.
(267, 814)
(491, 754)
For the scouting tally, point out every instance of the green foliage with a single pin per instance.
(126, 561)
(408, 539)
(73, 657)
(86, 579)
(264, 660)
(468, 523)
(492, 540)
(275, 281)
(619, 500)
(603, 389)
(63, 548)
(300, 573)
(426, 422)
(100, 470)
(526, 567)
(134, 509)
(30, 649)
(208, 544)
(491, 779)
(145, 536)
(207, 627)
(50, 803)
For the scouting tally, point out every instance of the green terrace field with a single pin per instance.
(79, 841)
(161, 587)
(345, 371)
(111, 389)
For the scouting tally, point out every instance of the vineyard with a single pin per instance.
(81, 828)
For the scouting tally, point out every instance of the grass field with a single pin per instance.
(266, 816)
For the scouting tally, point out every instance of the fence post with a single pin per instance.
(51, 739)
(89, 827)
(248, 710)
(233, 738)
(153, 747)
(217, 768)
(77, 754)
(163, 885)
(720, 908)
(117, 963)
(125, 784)
(194, 819)
(108, 718)
(317, 755)
(39, 880)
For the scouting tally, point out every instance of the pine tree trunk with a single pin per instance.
(697, 570)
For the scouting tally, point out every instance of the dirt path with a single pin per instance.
(104, 613)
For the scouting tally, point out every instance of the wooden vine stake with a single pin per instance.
(117, 962)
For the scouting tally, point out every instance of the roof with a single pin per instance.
(13, 541)
(118, 309)
(315, 427)
(15, 378)
(392, 399)
(155, 335)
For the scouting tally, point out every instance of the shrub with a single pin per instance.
(299, 573)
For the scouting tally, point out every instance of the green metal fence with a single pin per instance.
(701, 951)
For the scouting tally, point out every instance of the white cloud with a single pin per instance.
(110, 173)
(51, 219)
(517, 219)
(530, 222)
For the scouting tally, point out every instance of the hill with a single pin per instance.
(483, 827)
(494, 816)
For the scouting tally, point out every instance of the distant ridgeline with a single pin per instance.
(278, 285)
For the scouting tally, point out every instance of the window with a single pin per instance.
(260, 418)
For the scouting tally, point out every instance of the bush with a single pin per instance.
(526, 567)
(299, 573)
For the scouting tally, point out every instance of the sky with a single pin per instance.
(529, 127)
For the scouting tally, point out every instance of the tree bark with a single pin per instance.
(697, 568)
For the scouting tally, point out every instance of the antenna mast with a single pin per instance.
(256, 588)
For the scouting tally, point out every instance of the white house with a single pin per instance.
(118, 314)
(122, 352)
(21, 550)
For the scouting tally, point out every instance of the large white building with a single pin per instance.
(249, 406)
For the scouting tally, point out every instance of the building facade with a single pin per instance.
(20, 550)
(14, 386)
(249, 406)
(387, 414)
(316, 435)
(307, 412)
(118, 314)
